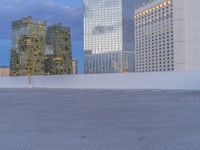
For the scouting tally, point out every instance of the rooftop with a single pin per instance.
(50, 119)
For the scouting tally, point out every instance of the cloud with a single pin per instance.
(48, 10)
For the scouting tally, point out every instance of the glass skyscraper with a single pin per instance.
(28, 44)
(109, 36)
(58, 52)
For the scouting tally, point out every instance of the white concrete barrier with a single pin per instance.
(14, 82)
(162, 80)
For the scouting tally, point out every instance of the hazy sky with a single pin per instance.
(68, 12)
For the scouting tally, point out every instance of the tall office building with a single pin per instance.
(109, 36)
(167, 36)
(58, 52)
(28, 44)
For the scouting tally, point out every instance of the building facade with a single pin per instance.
(167, 36)
(28, 44)
(4, 71)
(58, 52)
(74, 66)
(108, 36)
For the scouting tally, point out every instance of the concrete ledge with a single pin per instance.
(161, 80)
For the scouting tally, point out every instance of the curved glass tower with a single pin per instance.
(109, 36)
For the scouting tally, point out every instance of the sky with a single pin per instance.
(67, 12)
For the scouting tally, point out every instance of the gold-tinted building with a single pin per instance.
(28, 45)
(58, 52)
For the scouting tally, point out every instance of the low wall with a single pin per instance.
(165, 80)
(15, 82)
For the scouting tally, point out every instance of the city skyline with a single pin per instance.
(137, 85)
(53, 11)
(110, 32)
(38, 49)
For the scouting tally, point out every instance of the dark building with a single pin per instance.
(58, 52)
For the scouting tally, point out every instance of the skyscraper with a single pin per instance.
(109, 36)
(167, 36)
(154, 37)
(28, 44)
(58, 52)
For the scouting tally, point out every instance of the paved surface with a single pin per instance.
(41, 119)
